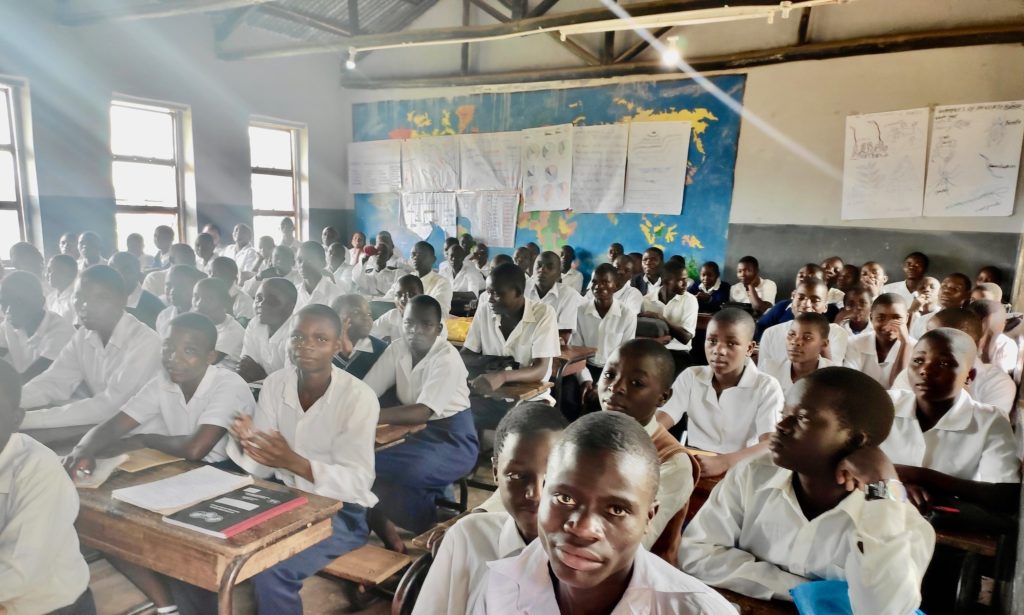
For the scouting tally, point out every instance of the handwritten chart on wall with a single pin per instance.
(698, 233)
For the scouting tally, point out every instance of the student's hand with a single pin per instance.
(703, 296)
(487, 383)
(589, 395)
(864, 466)
(983, 345)
(250, 370)
(435, 537)
(78, 465)
(241, 427)
(843, 315)
(713, 465)
(269, 449)
(919, 497)
(346, 343)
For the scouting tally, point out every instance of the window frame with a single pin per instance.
(9, 88)
(298, 172)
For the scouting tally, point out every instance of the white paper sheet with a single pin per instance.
(974, 159)
(374, 167)
(422, 211)
(491, 161)
(491, 215)
(180, 491)
(547, 167)
(599, 168)
(656, 167)
(884, 164)
(430, 164)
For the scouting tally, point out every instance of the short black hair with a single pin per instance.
(813, 267)
(677, 258)
(24, 286)
(450, 241)
(959, 318)
(508, 274)
(182, 254)
(220, 289)
(818, 321)
(860, 402)
(214, 226)
(533, 247)
(194, 321)
(106, 277)
(713, 266)
(347, 302)
(986, 307)
(527, 418)
(750, 260)
(994, 272)
(63, 260)
(613, 432)
(604, 269)
(190, 273)
(959, 342)
(923, 258)
(888, 299)
(735, 316)
(126, 261)
(29, 251)
(656, 250)
(967, 282)
(426, 245)
(163, 229)
(502, 259)
(673, 267)
(223, 262)
(571, 250)
(656, 351)
(814, 282)
(426, 302)
(616, 245)
(317, 310)
(483, 248)
(413, 279)
(285, 287)
(314, 248)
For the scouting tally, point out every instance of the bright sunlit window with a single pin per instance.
(273, 153)
(11, 225)
(145, 145)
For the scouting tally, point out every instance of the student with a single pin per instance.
(241, 251)
(848, 277)
(648, 281)
(181, 282)
(500, 259)
(479, 256)
(825, 503)
(31, 337)
(26, 257)
(510, 325)
(212, 299)
(141, 304)
(522, 443)
(213, 230)
(375, 277)
(873, 278)
(90, 247)
(113, 355)
(467, 242)
(805, 341)
(359, 350)
(924, 305)
(135, 245)
(811, 295)
(615, 250)
(355, 251)
(986, 291)
(60, 275)
(242, 305)
(711, 291)
(390, 324)
(545, 287)
(205, 252)
(884, 351)
(994, 347)
(328, 236)
(313, 430)
(955, 291)
(598, 503)
(338, 266)
(315, 287)
(523, 258)
(637, 381)
(429, 380)
(287, 229)
(68, 245)
(625, 293)
(991, 274)
(265, 246)
(731, 407)
(462, 275)
(855, 317)
(831, 267)
(784, 311)
(750, 287)
(445, 268)
(423, 259)
(282, 265)
(41, 567)
(163, 238)
(677, 308)
(915, 267)
(155, 282)
(571, 276)
(265, 345)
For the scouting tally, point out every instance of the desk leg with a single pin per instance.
(557, 391)
(225, 595)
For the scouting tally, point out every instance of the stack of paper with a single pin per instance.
(172, 494)
(100, 473)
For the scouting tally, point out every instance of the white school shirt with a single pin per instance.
(628, 296)
(900, 288)
(972, 441)
(52, 335)
(242, 304)
(323, 293)
(155, 283)
(605, 334)
(336, 434)
(574, 280)
(766, 290)
(163, 320)
(752, 537)
(919, 324)
(675, 486)
(160, 407)
(389, 326)
(862, 356)
(1003, 353)
(437, 287)
(680, 310)
(253, 285)
(372, 283)
(850, 333)
(438, 381)
(782, 371)
(112, 374)
(991, 386)
(773, 342)
(353, 255)
(561, 298)
(41, 567)
(534, 337)
(247, 258)
(836, 297)
(731, 422)
(453, 581)
(270, 351)
(230, 337)
(521, 585)
(469, 279)
(62, 302)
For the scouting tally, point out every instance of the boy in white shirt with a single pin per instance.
(648, 281)
(731, 407)
(915, 266)
(373, 276)
(31, 337)
(181, 283)
(314, 430)
(873, 278)
(545, 287)
(434, 284)
(855, 317)
(480, 257)
(995, 348)
(90, 249)
(571, 276)
(598, 502)
(315, 287)
(185, 412)
(242, 308)
(264, 347)
(804, 343)
(282, 265)
(212, 299)
(41, 567)
(113, 355)
(925, 303)
(338, 267)
(60, 275)
(522, 443)
(524, 259)
(825, 503)
(389, 326)
(140, 303)
(355, 252)
(750, 287)
(242, 251)
(625, 294)
(462, 274)
(155, 282)
(205, 252)
(884, 351)
(677, 308)
(810, 295)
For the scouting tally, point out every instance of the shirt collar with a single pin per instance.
(119, 336)
(509, 540)
(529, 572)
(959, 416)
(205, 385)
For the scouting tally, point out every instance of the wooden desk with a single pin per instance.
(392, 435)
(142, 537)
(985, 545)
(420, 542)
(572, 361)
(518, 391)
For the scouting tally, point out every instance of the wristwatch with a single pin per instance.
(891, 489)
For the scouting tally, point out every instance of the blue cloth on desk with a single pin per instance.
(824, 598)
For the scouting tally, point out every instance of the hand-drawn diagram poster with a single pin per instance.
(884, 164)
(975, 158)
(547, 168)
(430, 164)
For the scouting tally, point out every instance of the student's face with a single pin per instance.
(913, 268)
(936, 372)
(480, 254)
(18, 311)
(360, 320)
(467, 243)
(455, 256)
(549, 269)
(810, 434)
(953, 292)
(336, 255)
(984, 276)
(567, 257)
(848, 277)
(89, 247)
(727, 346)
(632, 384)
(358, 241)
(382, 239)
(651, 263)
(270, 306)
(242, 235)
(519, 473)
(807, 272)
(675, 283)
(594, 513)
(604, 286)
(422, 259)
(284, 260)
(212, 232)
(523, 259)
(222, 273)
(883, 315)
(746, 273)
(204, 248)
(313, 343)
(186, 355)
(873, 277)
(287, 226)
(928, 291)
(311, 266)
(179, 290)
(624, 265)
(328, 236)
(267, 247)
(810, 299)
(58, 277)
(804, 343)
(209, 304)
(503, 298)
(708, 276)
(406, 291)
(859, 305)
(163, 240)
(420, 327)
(614, 252)
(69, 245)
(134, 245)
(831, 268)
(96, 306)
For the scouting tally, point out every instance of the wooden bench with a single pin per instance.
(369, 565)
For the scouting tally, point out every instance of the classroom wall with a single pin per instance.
(72, 73)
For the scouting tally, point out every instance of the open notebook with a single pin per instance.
(172, 494)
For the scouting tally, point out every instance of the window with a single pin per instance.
(276, 181)
(146, 143)
(11, 193)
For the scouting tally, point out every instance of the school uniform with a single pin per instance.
(919, 323)
(164, 318)
(562, 300)
(247, 258)
(469, 279)
(51, 336)
(728, 422)
(850, 333)
(680, 310)
(389, 326)
(414, 474)
(971, 441)
(522, 584)
(773, 342)
(752, 537)
(766, 290)
(112, 373)
(160, 260)
(336, 434)
(1002, 352)
(160, 407)
(836, 297)
(782, 371)
(862, 356)
(646, 287)
(41, 567)
(371, 282)
(574, 280)
(62, 302)
(241, 304)
(900, 288)
(605, 334)
(991, 386)
(674, 489)
(364, 355)
(145, 306)
(353, 255)
(269, 351)
(205, 265)
(628, 296)
(84, 264)
(437, 287)
(323, 293)
(230, 338)
(718, 294)
(453, 581)
(253, 285)
(155, 283)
